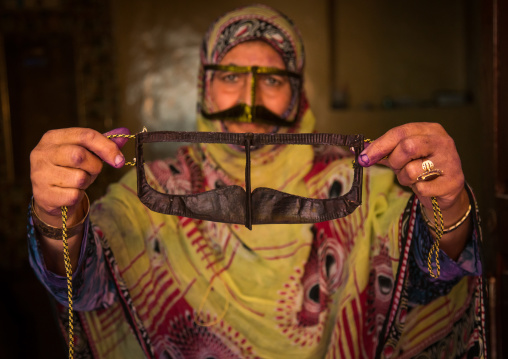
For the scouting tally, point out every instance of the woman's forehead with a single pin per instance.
(253, 53)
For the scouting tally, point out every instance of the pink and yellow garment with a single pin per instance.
(162, 286)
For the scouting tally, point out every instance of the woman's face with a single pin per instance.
(230, 89)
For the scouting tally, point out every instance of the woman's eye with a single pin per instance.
(229, 77)
(273, 81)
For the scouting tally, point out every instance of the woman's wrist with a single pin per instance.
(47, 225)
(453, 217)
(449, 228)
(453, 242)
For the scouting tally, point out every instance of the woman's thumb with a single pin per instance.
(120, 141)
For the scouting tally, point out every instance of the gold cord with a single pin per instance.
(200, 321)
(438, 219)
(68, 273)
(67, 259)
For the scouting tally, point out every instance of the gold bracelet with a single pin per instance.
(54, 232)
(445, 230)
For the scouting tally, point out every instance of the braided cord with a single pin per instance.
(133, 163)
(67, 259)
(121, 135)
(68, 273)
(438, 219)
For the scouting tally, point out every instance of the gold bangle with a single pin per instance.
(49, 231)
(449, 229)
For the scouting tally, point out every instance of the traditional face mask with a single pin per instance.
(233, 204)
(263, 86)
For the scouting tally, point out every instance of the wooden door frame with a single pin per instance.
(494, 146)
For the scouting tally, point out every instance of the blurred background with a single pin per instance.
(370, 66)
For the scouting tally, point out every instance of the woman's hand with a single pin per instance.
(404, 149)
(64, 164)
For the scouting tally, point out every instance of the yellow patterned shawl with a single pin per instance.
(252, 287)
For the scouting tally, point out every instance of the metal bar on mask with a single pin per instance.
(248, 193)
(254, 76)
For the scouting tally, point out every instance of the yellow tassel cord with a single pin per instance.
(200, 321)
(67, 260)
(68, 272)
(438, 219)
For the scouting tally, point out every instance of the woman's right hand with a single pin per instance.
(64, 164)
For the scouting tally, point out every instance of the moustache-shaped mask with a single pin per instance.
(233, 204)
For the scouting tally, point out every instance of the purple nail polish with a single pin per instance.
(365, 159)
(118, 160)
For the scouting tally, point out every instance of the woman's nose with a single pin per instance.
(251, 91)
(246, 90)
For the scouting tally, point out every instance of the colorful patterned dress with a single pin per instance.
(173, 287)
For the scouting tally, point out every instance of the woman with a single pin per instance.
(167, 286)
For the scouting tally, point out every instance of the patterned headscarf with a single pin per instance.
(255, 22)
(280, 167)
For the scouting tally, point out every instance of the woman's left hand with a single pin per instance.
(406, 147)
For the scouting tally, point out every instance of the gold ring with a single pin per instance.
(429, 173)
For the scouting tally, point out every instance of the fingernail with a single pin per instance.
(119, 160)
(365, 159)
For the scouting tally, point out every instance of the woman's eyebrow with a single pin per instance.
(252, 66)
(231, 64)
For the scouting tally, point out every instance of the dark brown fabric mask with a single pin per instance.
(233, 204)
